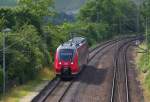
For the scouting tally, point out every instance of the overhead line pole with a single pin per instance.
(4, 59)
(146, 32)
(4, 66)
(147, 40)
(138, 18)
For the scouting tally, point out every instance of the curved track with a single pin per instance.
(120, 85)
(57, 89)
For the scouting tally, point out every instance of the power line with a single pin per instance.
(12, 44)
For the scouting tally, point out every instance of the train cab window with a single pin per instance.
(66, 54)
(82, 41)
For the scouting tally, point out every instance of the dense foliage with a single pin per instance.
(26, 49)
(117, 14)
(144, 64)
(146, 8)
(31, 44)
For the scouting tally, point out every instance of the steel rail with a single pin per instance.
(125, 47)
(49, 88)
(115, 72)
(126, 73)
(99, 45)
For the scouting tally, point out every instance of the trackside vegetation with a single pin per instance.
(144, 58)
(31, 44)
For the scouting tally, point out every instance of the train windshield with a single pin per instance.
(66, 54)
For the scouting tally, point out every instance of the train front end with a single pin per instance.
(66, 62)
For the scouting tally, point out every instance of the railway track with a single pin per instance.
(54, 86)
(120, 85)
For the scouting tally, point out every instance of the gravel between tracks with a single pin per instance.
(136, 94)
(94, 84)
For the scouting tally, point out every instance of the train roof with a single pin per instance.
(77, 39)
(72, 43)
(66, 46)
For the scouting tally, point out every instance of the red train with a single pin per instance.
(71, 56)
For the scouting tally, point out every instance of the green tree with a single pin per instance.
(111, 12)
(26, 54)
(146, 8)
(38, 7)
(146, 14)
(14, 18)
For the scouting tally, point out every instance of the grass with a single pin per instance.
(143, 60)
(18, 92)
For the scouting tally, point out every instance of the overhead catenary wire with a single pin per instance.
(12, 44)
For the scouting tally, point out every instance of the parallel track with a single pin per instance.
(120, 90)
(47, 90)
(53, 85)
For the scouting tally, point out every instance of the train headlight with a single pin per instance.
(72, 63)
(59, 62)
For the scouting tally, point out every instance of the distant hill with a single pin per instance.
(138, 2)
(66, 9)
(60, 5)
(69, 5)
(8, 2)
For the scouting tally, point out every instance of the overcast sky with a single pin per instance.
(138, 2)
(69, 5)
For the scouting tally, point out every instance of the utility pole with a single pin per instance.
(97, 12)
(4, 67)
(147, 38)
(4, 59)
(98, 18)
(146, 31)
(138, 19)
(120, 25)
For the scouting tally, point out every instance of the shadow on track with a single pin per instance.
(93, 75)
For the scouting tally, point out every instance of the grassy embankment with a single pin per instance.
(143, 60)
(18, 92)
